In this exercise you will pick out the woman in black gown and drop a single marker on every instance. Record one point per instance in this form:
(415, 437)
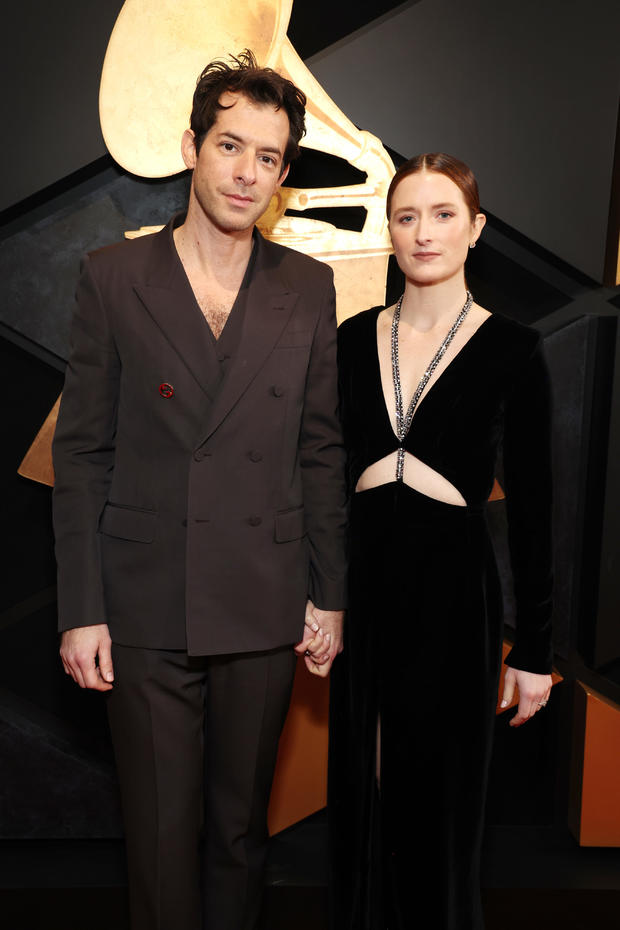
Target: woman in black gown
(414, 692)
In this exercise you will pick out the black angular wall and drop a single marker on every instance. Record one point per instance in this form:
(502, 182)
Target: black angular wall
(57, 776)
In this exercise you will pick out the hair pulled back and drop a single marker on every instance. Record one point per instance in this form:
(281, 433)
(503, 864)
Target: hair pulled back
(440, 163)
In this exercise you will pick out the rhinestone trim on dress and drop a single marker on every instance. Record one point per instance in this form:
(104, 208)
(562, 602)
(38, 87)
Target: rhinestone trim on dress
(403, 423)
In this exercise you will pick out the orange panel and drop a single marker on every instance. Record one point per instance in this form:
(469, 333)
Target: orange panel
(37, 463)
(300, 784)
(497, 493)
(599, 820)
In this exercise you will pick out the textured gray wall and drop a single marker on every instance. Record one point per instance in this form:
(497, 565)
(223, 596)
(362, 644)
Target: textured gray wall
(523, 90)
(39, 264)
(51, 54)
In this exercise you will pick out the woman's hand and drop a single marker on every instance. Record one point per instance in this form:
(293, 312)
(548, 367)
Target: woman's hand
(322, 639)
(534, 691)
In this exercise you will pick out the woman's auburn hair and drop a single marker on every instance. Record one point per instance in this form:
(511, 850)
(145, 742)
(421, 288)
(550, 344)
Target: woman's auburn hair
(441, 163)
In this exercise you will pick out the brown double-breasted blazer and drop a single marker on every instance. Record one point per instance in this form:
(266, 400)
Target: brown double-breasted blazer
(186, 518)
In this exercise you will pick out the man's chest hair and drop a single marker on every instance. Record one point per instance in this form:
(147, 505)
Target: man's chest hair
(215, 311)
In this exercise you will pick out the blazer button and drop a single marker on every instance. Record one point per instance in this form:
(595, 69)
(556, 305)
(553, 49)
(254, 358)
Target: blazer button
(277, 391)
(255, 521)
(255, 455)
(199, 455)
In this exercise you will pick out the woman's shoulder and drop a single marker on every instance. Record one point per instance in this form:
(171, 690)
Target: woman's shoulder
(359, 329)
(360, 322)
(512, 340)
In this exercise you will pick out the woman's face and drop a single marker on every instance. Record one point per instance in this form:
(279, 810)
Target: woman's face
(431, 227)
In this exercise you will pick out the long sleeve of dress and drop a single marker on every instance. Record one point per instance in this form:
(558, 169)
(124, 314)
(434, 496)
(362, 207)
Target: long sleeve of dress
(527, 476)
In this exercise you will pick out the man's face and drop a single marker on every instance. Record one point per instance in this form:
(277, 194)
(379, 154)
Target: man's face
(239, 166)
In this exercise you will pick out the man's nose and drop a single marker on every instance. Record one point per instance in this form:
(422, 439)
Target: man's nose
(245, 168)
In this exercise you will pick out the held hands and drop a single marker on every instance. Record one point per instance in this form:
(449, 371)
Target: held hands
(322, 639)
(534, 691)
(79, 649)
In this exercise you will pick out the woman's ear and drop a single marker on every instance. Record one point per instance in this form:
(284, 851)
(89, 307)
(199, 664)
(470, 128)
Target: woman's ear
(476, 228)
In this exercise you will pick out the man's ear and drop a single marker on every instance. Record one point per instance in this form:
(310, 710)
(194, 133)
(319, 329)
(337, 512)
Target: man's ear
(282, 177)
(188, 149)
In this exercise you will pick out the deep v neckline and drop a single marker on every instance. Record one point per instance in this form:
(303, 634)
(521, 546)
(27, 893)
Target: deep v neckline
(431, 384)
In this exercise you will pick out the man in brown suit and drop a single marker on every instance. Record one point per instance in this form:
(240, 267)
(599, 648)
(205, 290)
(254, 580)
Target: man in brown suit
(199, 505)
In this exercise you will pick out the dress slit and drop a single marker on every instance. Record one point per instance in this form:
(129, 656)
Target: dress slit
(423, 632)
(406, 614)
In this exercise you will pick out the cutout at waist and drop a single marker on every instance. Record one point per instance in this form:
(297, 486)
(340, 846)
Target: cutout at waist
(417, 475)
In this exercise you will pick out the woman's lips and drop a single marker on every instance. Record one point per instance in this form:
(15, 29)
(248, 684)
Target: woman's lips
(425, 256)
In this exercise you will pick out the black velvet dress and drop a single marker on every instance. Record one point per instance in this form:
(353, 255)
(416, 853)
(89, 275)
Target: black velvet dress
(424, 630)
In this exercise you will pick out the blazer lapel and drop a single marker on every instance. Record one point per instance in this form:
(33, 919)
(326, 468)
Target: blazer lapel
(168, 298)
(270, 303)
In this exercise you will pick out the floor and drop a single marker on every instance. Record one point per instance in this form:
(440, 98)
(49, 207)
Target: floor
(533, 879)
(304, 908)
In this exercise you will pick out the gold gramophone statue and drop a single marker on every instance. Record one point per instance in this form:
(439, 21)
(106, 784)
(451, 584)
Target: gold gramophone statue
(156, 50)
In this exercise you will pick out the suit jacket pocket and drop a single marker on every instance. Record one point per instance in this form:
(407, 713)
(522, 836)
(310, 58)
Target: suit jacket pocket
(128, 523)
(290, 525)
(294, 339)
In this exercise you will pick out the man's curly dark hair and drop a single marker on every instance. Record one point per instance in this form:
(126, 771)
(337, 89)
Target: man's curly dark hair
(242, 74)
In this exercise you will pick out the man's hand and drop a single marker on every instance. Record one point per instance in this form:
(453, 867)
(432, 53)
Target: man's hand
(534, 691)
(79, 650)
(322, 639)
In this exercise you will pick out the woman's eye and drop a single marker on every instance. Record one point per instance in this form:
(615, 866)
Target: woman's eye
(445, 215)
(405, 220)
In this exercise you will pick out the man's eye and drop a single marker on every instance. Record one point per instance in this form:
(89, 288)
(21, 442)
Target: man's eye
(228, 146)
(268, 160)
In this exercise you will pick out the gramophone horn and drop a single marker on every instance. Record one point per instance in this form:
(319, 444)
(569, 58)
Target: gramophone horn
(156, 50)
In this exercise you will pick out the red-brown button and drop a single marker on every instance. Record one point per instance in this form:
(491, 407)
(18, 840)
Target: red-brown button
(165, 389)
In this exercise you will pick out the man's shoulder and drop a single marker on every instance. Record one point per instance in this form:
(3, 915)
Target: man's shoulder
(296, 265)
(130, 253)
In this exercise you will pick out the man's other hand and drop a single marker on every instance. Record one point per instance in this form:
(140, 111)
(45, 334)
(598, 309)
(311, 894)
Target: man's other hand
(86, 653)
